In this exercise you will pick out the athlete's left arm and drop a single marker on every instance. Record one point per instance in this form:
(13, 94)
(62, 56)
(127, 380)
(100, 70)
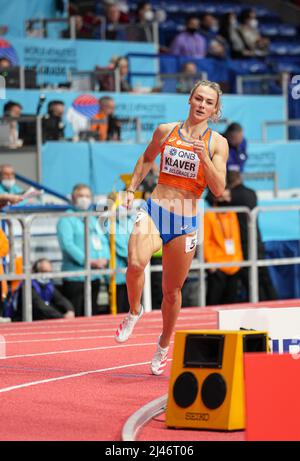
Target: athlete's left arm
(215, 168)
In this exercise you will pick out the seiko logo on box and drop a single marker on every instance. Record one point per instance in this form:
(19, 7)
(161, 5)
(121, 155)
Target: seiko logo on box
(192, 416)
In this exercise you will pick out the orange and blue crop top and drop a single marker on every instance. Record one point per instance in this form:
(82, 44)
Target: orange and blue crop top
(180, 167)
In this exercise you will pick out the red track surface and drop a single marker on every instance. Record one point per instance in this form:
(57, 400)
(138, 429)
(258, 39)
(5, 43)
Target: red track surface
(69, 380)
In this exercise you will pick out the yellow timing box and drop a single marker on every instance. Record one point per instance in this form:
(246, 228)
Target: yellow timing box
(206, 388)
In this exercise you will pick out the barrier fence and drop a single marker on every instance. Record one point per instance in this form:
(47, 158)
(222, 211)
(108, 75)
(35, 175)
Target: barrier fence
(198, 263)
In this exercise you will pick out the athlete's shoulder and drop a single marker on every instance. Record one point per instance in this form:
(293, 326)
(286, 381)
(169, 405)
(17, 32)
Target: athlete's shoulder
(163, 130)
(219, 140)
(218, 137)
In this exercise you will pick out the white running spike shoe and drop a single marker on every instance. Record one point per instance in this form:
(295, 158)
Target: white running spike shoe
(159, 360)
(126, 327)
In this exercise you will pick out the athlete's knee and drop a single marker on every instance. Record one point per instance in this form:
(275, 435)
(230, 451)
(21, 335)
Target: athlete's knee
(135, 267)
(171, 295)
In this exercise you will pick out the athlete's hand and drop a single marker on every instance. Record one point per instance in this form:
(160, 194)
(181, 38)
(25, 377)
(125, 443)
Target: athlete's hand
(128, 199)
(199, 149)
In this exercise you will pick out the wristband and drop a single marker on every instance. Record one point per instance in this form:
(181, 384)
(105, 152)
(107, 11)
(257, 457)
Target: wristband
(129, 190)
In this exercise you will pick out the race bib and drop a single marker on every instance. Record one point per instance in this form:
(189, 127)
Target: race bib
(190, 243)
(180, 162)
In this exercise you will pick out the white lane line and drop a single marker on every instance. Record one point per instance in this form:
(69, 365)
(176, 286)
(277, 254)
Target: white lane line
(73, 323)
(199, 324)
(75, 375)
(75, 338)
(55, 332)
(72, 338)
(40, 354)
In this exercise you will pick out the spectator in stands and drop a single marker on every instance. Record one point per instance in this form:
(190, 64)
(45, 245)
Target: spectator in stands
(4, 250)
(187, 78)
(91, 24)
(237, 147)
(13, 110)
(81, 31)
(70, 232)
(254, 42)
(105, 122)
(4, 63)
(114, 19)
(229, 30)
(141, 30)
(8, 180)
(121, 63)
(244, 196)
(52, 123)
(216, 45)
(190, 42)
(209, 26)
(47, 300)
(107, 81)
(222, 243)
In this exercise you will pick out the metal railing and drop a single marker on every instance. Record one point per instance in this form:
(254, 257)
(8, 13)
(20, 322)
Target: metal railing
(130, 32)
(183, 83)
(253, 263)
(91, 80)
(198, 263)
(135, 121)
(263, 79)
(44, 22)
(27, 276)
(286, 123)
(18, 77)
(269, 175)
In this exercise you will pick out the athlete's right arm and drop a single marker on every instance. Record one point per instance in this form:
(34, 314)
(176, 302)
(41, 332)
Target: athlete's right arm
(146, 160)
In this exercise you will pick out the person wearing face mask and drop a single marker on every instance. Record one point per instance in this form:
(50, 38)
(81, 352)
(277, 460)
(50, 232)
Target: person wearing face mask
(216, 45)
(141, 30)
(249, 32)
(70, 233)
(209, 26)
(229, 30)
(8, 180)
(222, 243)
(190, 42)
(47, 301)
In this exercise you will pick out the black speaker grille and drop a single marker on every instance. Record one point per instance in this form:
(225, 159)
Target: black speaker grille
(185, 389)
(213, 391)
(255, 343)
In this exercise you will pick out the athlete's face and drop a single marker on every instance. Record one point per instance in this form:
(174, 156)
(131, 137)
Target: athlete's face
(203, 103)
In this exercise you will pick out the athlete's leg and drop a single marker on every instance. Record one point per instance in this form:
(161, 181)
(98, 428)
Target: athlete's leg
(143, 242)
(176, 263)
